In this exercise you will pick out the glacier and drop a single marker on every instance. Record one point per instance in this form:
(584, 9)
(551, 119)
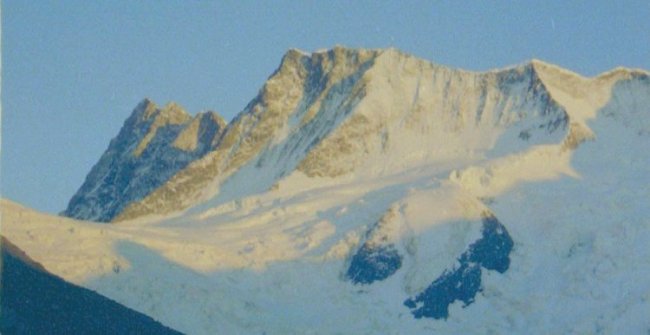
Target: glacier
(372, 192)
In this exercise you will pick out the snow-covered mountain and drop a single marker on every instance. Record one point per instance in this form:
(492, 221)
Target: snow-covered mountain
(336, 113)
(371, 192)
(152, 146)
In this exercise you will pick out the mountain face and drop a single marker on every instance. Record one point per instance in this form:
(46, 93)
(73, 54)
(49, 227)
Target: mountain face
(371, 192)
(330, 114)
(152, 146)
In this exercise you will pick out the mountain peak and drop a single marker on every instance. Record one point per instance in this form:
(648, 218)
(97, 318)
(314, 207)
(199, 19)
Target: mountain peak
(144, 110)
(620, 73)
(294, 57)
(537, 61)
(148, 110)
(295, 52)
(549, 68)
(151, 147)
(173, 113)
(146, 102)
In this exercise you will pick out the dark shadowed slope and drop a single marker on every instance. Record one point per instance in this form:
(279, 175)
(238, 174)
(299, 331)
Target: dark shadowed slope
(37, 302)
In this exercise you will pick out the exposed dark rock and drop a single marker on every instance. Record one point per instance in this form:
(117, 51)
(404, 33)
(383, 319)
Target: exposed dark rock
(491, 251)
(459, 284)
(370, 264)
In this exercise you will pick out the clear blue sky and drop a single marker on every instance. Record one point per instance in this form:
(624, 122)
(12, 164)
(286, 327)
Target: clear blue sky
(72, 71)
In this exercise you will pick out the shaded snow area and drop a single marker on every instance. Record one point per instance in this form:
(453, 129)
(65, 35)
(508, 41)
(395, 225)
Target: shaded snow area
(521, 209)
(36, 302)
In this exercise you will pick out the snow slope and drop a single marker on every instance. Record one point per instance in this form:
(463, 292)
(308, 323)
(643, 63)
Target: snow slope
(533, 219)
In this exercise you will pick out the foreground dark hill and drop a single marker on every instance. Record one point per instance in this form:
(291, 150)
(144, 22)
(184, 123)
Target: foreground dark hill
(37, 302)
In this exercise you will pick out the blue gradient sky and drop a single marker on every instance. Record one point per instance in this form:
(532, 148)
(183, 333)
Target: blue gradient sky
(72, 71)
